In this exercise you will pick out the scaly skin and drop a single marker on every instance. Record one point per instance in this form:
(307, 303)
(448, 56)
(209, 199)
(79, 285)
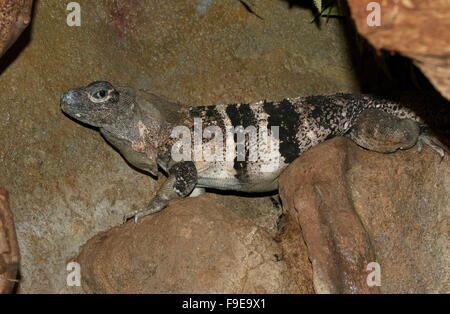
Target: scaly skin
(140, 125)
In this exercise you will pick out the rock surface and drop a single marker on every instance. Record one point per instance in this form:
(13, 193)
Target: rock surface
(415, 28)
(15, 16)
(9, 248)
(356, 207)
(66, 184)
(194, 246)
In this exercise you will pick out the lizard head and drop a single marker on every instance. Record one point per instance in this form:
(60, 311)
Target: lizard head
(129, 120)
(95, 104)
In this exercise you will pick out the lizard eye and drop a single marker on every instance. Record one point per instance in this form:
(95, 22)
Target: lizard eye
(100, 96)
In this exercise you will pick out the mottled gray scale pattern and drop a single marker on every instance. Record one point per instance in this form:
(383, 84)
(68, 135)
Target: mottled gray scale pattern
(139, 125)
(390, 107)
(304, 122)
(235, 175)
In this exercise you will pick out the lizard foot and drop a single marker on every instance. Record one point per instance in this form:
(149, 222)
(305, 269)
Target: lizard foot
(154, 207)
(434, 143)
(140, 213)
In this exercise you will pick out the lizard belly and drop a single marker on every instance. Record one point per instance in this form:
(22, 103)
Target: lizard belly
(224, 176)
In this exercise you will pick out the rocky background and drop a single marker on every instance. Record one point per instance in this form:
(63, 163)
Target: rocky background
(9, 248)
(414, 28)
(15, 16)
(68, 187)
(66, 183)
(356, 207)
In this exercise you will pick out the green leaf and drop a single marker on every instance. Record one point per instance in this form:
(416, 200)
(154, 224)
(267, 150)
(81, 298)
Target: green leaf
(318, 4)
(331, 11)
(327, 8)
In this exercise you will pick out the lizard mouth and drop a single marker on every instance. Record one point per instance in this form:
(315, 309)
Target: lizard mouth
(70, 103)
(71, 97)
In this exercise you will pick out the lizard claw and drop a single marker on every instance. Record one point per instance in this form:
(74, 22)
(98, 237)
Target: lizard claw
(432, 142)
(134, 215)
(140, 213)
(130, 216)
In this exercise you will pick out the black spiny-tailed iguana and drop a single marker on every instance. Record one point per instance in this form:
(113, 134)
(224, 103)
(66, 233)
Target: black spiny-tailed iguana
(142, 127)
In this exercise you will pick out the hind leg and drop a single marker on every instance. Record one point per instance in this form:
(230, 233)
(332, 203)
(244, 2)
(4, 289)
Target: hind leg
(426, 138)
(382, 132)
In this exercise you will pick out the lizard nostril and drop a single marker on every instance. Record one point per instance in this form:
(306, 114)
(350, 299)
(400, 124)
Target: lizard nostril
(70, 97)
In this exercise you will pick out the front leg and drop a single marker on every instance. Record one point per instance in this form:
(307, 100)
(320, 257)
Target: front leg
(182, 180)
(382, 132)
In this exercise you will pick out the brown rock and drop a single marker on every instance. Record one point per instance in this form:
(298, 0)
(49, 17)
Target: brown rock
(356, 207)
(295, 254)
(315, 192)
(415, 28)
(15, 16)
(194, 246)
(9, 248)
